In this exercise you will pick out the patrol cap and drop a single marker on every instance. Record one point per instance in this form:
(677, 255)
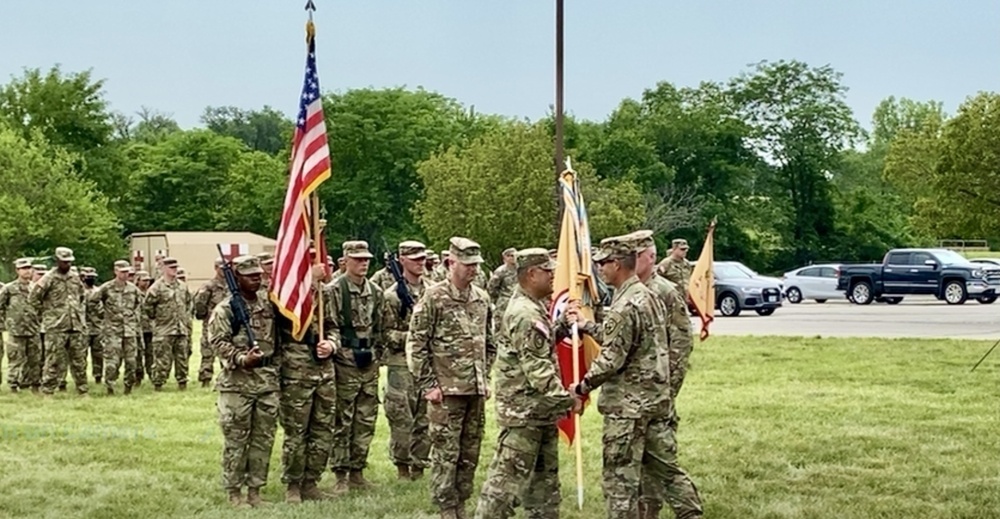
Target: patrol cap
(169, 262)
(74, 270)
(432, 256)
(88, 272)
(642, 240)
(247, 265)
(181, 273)
(412, 250)
(615, 247)
(357, 249)
(509, 251)
(534, 257)
(142, 275)
(266, 258)
(39, 267)
(220, 262)
(553, 252)
(122, 266)
(465, 251)
(22, 263)
(679, 242)
(446, 254)
(64, 254)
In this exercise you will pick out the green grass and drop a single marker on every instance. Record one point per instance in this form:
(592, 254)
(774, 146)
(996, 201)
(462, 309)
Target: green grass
(771, 428)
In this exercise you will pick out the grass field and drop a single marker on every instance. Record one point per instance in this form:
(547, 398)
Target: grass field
(771, 428)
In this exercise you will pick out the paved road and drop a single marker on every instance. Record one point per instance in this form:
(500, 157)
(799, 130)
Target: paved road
(914, 317)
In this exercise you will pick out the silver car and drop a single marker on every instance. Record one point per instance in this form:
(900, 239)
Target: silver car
(815, 282)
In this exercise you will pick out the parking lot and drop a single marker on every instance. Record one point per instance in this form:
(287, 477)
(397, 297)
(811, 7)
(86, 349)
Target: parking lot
(914, 317)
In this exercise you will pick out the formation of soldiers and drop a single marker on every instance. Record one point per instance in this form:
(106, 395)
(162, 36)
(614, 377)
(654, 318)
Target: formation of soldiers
(446, 340)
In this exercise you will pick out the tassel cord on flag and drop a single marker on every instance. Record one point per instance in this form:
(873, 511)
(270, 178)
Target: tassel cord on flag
(578, 448)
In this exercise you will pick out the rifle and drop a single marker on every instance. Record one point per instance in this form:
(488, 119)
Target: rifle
(241, 316)
(392, 263)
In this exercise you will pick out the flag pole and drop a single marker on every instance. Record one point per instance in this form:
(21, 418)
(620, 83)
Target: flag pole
(317, 224)
(576, 421)
(559, 114)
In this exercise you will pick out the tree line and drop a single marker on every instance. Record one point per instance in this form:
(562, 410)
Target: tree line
(774, 153)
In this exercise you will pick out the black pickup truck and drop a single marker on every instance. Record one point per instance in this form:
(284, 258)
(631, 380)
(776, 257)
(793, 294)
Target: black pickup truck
(942, 273)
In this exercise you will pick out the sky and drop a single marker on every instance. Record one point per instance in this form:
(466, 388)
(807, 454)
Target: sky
(179, 56)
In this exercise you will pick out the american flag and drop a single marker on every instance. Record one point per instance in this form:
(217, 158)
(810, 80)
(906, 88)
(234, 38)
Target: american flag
(310, 165)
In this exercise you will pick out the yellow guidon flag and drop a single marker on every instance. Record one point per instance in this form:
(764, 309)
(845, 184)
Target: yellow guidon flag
(701, 286)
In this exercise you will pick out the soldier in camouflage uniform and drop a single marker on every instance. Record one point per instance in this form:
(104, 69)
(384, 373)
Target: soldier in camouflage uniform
(405, 407)
(679, 324)
(182, 277)
(206, 298)
(430, 264)
(37, 271)
(144, 354)
(633, 370)
(307, 407)
(440, 272)
(167, 305)
(450, 351)
(267, 265)
(95, 315)
(503, 283)
(122, 305)
(24, 351)
(675, 266)
(356, 335)
(530, 399)
(60, 298)
(248, 386)
(382, 278)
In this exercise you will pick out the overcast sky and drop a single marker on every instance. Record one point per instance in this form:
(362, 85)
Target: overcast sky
(179, 56)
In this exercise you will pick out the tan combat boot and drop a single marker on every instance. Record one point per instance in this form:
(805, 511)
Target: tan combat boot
(402, 472)
(292, 494)
(310, 492)
(236, 499)
(341, 487)
(254, 499)
(357, 480)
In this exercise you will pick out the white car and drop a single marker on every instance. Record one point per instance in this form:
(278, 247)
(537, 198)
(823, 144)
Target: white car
(816, 282)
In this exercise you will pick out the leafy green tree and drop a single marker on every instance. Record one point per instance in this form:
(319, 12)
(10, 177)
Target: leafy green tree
(266, 130)
(45, 204)
(255, 194)
(377, 138)
(181, 181)
(498, 191)
(70, 110)
(801, 125)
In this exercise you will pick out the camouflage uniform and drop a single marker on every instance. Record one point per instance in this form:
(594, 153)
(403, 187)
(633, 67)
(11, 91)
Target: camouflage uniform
(95, 336)
(60, 300)
(482, 278)
(206, 299)
(122, 304)
(405, 407)
(640, 450)
(501, 287)
(307, 407)
(21, 319)
(676, 270)
(530, 399)
(382, 278)
(678, 273)
(167, 305)
(144, 355)
(450, 347)
(248, 396)
(356, 366)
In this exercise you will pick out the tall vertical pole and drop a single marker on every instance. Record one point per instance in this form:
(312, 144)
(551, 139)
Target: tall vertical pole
(559, 114)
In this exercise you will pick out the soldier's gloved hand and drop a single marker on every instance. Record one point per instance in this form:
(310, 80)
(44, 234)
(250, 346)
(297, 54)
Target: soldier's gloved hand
(434, 396)
(253, 358)
(324, 349)
(578, 406)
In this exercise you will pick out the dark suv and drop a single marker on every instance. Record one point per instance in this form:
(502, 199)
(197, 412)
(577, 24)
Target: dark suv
(737, 290)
